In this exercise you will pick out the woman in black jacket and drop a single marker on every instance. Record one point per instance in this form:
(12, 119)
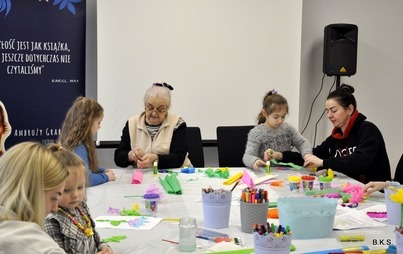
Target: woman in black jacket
(355, 147)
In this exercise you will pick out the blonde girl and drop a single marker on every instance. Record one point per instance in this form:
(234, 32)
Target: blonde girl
(32, 180)
(80, 125)
(72, 226)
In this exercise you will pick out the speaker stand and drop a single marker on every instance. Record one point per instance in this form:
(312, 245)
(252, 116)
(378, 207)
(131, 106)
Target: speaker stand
(337, 82)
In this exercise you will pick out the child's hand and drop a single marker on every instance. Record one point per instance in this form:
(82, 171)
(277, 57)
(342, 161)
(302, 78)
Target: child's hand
(268, 154)
(258, 164)
(105, 250)
(111, 174)
(271, 154)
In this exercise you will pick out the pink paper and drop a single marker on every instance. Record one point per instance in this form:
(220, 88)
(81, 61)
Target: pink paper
(247, 179)
(137, 177)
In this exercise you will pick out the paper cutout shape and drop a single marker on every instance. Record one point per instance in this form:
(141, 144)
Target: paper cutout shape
(137, 177)
(127, 222)
(233, 179)
(285, 164)
(171, 184)
(247, 179)
(154, 189)
(257, 181)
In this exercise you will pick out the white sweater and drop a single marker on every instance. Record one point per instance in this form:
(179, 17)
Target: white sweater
(25, 237)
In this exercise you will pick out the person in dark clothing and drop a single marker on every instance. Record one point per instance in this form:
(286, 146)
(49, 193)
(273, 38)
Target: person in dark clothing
(155, 136)
(356, 146)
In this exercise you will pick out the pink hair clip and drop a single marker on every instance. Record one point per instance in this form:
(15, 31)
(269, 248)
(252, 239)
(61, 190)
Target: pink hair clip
(273, 91)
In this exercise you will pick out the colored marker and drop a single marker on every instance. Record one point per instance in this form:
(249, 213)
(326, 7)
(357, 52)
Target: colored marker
(352, 238)
(206, 238)
(357, 249)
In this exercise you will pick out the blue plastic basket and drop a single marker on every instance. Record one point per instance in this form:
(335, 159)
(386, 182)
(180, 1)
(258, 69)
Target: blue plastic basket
(308, 217)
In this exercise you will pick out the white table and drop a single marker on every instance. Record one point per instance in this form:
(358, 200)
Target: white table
(111, 194)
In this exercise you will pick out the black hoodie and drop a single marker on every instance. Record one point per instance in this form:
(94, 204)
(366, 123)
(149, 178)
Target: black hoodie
(362, 155)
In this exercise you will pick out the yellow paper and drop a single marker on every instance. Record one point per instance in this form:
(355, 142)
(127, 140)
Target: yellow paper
(234, 178)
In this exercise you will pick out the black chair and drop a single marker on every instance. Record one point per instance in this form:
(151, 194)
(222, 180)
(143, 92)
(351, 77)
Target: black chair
(399, 171)
(231, 144)
(195, 146)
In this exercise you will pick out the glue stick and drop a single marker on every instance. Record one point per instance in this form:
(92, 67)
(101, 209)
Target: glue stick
(267, 167)
(155, 168)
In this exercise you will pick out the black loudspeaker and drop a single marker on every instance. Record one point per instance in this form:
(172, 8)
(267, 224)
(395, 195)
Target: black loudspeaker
(340, 50)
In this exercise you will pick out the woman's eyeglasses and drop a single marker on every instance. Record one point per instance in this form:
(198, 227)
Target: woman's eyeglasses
(160, 110)
(164, 85)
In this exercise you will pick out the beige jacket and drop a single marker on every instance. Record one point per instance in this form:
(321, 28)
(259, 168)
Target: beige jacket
(139, 137)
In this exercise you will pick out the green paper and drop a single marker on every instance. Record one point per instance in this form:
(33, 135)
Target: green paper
(171, 184)
(127, 212)
(115, 222)
(272, 204)
(242, 251)
(217, 173)
(115, 239)
(174, 183)
(286, 164)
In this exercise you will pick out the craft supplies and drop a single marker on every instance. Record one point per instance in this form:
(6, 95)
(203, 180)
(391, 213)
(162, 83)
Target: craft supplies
(294, 182)
(151, 202)
(135, 206)
(357, 249)
(267, 167)
(256, 196)
(309, 217)
(233, 179)
(352, 238)
(115, 239)
(271, 239)
(324, 182)
(210, 233)
(155, 168)
(307, 182)
(254, 206)
(217, 173)
(216, 207)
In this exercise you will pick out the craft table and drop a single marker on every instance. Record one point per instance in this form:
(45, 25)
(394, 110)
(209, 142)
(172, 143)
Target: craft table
(112, 195)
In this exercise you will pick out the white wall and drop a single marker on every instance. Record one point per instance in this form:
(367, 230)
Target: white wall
(220, 56)
(379, 78)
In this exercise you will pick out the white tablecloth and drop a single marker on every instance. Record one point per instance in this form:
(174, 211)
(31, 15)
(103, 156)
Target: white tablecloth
(111, 194)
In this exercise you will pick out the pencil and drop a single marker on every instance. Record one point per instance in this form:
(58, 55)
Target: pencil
(233, 187)
(169, 241)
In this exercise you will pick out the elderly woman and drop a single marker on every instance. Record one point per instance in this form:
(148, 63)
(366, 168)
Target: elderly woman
(156, 135)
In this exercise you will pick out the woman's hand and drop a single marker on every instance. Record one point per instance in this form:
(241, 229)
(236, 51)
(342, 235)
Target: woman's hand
(374, 186)
(135, 154)
(312, 161)
(147, 160)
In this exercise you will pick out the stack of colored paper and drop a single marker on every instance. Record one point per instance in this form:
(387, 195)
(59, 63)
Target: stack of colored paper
(171, 184)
